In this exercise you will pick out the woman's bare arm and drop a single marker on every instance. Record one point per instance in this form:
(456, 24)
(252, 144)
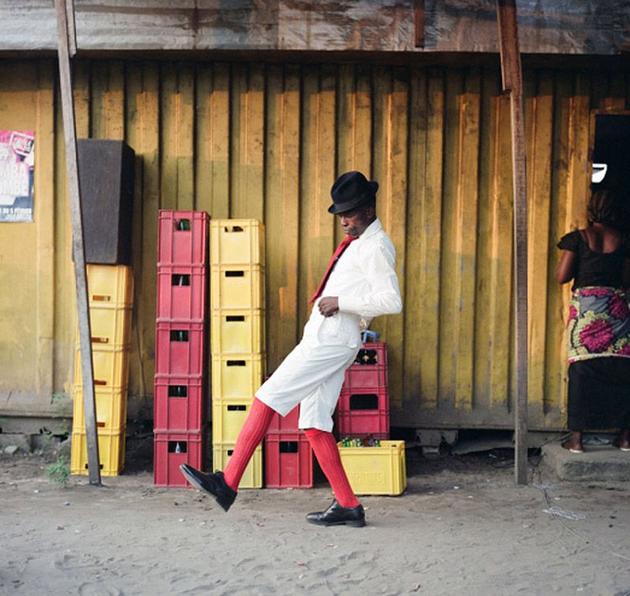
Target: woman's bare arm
(565, 271)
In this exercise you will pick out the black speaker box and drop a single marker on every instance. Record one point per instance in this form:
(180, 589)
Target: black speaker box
(106, 175)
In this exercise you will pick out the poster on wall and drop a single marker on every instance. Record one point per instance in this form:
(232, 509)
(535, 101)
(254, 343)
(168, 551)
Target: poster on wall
(17, 167)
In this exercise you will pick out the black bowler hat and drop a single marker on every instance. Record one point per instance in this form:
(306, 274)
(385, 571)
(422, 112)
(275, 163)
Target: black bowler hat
(351, 190)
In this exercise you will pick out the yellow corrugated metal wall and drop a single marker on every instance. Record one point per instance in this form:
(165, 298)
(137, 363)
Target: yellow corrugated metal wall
(266, 141)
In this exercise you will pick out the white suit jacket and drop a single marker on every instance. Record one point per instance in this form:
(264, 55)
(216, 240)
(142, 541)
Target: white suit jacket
(364, 280)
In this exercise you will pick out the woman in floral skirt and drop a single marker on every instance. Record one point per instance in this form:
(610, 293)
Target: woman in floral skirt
(597, 259)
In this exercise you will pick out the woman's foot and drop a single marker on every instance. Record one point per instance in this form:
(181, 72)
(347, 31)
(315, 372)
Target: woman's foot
(623, 440)
(574, 443)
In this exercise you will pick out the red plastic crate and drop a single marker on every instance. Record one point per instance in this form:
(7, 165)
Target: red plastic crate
(286, 424)
(179, 349)
(170, 450)
(182, 293)
(363, 414)
(288, 461)
(369, 370)
(178, 404)
(182, 237)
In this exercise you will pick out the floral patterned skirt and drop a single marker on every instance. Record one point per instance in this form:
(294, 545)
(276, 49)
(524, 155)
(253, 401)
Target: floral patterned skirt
(599, 324)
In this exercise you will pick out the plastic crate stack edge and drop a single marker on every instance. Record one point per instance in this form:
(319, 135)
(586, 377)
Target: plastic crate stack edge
(237, 304)
(180, 411)
(110, 300)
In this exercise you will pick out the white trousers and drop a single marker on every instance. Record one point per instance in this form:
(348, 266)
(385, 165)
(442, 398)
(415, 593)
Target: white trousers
(311, 375)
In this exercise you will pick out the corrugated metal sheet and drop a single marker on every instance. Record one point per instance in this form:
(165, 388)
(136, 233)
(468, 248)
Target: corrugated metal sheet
(266, 141)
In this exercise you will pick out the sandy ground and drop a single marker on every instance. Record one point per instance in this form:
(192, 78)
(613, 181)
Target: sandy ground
(462, 527)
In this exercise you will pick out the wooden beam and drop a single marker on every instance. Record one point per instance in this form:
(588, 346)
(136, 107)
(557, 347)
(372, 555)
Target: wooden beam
(513, 84)
(78, 247)
(419, 22)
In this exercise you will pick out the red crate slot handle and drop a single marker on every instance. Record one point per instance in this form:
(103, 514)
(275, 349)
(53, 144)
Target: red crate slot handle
(364, 401)
(179, 335)
(178, 391)
(180, 279)
(288, 446)
(177, 447)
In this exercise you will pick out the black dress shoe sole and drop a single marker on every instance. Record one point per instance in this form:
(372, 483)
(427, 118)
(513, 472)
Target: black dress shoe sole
(355, 523)
(225, 501)
(192, 479)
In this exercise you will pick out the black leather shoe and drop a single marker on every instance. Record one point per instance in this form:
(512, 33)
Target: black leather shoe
(212, 483)
(336, 515)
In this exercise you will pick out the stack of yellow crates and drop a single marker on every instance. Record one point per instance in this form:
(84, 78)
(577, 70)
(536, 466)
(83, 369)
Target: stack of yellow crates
(110, 294)
(237, 337)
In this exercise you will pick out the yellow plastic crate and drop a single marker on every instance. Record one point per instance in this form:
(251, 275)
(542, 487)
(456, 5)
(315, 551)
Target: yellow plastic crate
(237, 376)
(237, 241)
(111, 409)
(237, 331)
(111, 367)
(110, 285)
(111, 450)
(376, 470)
(109, 326)
(228, 416)
(253, 476)
(238, 287)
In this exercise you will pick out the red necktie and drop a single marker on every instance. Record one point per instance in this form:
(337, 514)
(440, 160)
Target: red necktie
(331, 265)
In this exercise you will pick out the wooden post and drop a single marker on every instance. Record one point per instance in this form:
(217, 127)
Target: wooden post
(419, 22)
(65, 33)
(513, 84)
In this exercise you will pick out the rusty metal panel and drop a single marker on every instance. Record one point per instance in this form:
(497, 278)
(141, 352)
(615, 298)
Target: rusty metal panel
(587, 27)
(266, 141)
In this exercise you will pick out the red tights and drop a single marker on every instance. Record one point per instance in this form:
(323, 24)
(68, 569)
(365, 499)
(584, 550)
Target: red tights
(322, 442)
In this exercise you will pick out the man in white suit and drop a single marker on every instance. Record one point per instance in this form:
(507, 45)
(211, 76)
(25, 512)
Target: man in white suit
(359, 283)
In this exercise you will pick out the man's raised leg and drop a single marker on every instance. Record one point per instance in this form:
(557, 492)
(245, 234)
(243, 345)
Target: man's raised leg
(224, 485)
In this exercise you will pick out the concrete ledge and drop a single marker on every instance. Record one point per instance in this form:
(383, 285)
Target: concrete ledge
(596, 464)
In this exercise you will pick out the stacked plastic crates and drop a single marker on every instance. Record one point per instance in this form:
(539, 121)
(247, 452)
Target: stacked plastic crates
(179, 417)
(363, 407)
(374, 464)
(110, 296)
(237, 304)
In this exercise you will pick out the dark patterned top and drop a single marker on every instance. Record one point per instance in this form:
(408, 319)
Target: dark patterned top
(595, 268)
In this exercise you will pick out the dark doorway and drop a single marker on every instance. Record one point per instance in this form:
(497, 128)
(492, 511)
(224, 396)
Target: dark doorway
(611, 155)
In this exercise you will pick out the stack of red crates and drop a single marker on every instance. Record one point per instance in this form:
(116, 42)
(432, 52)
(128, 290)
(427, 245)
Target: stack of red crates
(363, 407)
(179, 410)
(288, 454)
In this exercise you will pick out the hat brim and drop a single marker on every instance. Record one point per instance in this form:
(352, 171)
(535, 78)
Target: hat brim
(347, 206)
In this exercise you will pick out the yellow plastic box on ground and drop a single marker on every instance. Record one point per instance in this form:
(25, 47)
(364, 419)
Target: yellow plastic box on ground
(111, 448)
(238, 287)
(236, 376)
(111, 409)
(228, 416)
(376, 470)
(253, 476)
(237, 241)
(111, 367)
(110, 285)
(237, 331)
